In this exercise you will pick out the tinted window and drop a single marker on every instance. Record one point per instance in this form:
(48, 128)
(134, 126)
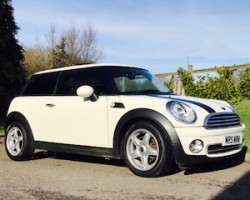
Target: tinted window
(41, 85)
(70, 81)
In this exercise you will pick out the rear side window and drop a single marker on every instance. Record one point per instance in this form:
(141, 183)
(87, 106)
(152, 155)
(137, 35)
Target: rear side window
(41, 85)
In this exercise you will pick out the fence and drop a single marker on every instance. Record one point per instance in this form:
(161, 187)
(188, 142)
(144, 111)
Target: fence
(178, 86)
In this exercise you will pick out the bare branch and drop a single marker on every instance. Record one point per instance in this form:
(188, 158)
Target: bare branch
(52, 36)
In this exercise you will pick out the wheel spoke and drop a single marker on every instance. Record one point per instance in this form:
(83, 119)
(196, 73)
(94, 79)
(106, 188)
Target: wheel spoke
(135, 140)
(18, 147)
(15, 133)
(12, 146)
(146, 138)
(135, 154)
(20, 139)
(151, 151)
(11, 139)
(144, 160)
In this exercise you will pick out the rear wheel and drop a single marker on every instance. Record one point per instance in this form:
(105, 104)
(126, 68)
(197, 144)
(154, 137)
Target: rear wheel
(146, 151)
(18, 142)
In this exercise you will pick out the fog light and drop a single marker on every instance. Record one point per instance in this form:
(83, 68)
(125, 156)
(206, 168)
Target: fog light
(196, 146)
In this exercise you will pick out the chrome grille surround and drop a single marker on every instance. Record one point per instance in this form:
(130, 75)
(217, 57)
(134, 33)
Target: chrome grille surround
(222, 120)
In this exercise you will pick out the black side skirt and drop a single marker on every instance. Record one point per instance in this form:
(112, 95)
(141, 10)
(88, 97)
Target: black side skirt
(77, 149)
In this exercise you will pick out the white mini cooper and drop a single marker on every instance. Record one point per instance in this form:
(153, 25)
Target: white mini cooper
(122, 112)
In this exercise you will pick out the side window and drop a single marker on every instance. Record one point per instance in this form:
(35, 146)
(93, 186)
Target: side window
(41, 85)
(70, 81)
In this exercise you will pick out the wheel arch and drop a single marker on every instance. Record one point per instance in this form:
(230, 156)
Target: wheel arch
(19, 117)
(156, 118)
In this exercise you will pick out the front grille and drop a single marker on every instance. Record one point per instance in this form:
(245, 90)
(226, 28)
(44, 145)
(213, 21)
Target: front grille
(222, 120)
(218, 148)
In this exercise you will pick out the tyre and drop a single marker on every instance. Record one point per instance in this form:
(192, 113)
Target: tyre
(146, 150)
(18, 142)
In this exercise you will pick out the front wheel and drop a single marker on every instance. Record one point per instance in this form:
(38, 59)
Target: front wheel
(146, 150)
(18, 142)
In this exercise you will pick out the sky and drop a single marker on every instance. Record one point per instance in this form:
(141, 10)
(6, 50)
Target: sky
(160, 35)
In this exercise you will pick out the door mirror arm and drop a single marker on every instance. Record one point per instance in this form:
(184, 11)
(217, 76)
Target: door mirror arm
(93, 97)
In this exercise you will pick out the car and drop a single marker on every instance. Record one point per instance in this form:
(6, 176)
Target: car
(120, 112)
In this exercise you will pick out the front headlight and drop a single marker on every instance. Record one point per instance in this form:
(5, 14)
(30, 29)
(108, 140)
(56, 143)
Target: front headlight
(181, 111)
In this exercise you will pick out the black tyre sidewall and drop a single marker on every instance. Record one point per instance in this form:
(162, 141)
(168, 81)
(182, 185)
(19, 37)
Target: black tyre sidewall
(27, 148)
(165, 159)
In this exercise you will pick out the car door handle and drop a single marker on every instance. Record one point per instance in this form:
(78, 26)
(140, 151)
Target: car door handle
(50, 105)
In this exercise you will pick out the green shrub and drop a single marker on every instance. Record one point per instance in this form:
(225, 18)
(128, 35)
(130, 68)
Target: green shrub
(244, 83)
(170, 83)
(222, 87)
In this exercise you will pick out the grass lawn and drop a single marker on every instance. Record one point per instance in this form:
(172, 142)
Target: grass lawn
(1, 129)
(243, 109)
(244, 112)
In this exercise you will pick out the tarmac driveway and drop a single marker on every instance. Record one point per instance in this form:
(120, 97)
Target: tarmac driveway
(79, 177)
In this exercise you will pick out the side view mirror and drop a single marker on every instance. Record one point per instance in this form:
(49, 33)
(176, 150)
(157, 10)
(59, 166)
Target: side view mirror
(87, 92)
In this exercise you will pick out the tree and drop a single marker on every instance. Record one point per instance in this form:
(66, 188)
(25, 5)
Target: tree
(36, 59)
(73, 47)
(12, 74)
(60, 57)
(82, 45)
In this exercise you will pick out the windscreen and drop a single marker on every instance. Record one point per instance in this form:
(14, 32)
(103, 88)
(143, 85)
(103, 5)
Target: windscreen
(135, 81)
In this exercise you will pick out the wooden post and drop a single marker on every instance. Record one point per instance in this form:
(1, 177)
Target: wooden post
(178, 86)
(190, 68)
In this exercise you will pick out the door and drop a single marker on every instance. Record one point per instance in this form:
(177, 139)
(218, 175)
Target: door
(72, 120)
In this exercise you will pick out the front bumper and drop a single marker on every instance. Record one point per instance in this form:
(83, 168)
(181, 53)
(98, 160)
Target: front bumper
(185, 161)
(213, 145)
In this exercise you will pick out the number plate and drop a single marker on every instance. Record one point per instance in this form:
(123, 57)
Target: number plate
(232, 139)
